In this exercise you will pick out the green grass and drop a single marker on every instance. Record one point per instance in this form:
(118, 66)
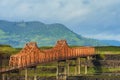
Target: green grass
(8, 50)
(48, 72)
(108, 48)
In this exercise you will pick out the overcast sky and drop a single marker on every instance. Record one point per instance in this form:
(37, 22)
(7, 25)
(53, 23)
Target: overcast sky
(91, 18)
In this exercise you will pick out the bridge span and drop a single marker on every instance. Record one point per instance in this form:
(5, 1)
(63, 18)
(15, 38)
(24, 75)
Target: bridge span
(31, 56)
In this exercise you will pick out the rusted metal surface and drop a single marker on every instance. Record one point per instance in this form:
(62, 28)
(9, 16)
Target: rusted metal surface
(31, 55)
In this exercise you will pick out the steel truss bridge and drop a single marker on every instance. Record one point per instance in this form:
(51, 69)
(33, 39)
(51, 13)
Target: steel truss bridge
(31, 56)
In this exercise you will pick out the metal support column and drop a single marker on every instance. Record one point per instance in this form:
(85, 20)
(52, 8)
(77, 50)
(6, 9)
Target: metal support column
(75, 70)
(57, 71)
(75, 67)
(85, 69)
(68, 67)
(26, 74)
(61, 72)
(86, 60)
(79, 64)
(8, 75)
(35, 74)
(65, 76)
(3, 76)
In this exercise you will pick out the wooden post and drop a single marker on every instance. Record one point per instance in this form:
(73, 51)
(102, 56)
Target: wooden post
(87, 58)
(35, 74)
(78, 62)
(20, 73)
(85, 69)
(75, 67)
(3, 76)
(8, 75)
(68, 67)
(75, 70)
(26, 74)
(61, 75)
(65, 76)
(57, 70)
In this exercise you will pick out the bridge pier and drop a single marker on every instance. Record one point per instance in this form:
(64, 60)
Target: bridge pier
(65, 65)
(78, 66)
(8, 75)
(26, 74)
(68, 67)
(61, 73)
(75, 68)
(57, 71)
(65, 73)
(3, 77)
(35, 74)
(86, 67)
(20, 73)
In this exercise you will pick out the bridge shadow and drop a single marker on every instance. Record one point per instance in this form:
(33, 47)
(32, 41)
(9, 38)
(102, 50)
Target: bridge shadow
(97, 64)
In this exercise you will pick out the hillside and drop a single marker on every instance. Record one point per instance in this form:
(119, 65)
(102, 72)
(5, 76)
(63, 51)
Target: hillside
(17, 34)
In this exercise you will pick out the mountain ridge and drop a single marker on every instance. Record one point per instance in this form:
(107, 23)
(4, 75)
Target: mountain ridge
(18, 33)
(111, 42)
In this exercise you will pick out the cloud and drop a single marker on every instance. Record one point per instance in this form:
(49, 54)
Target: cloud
(62, 10)
(86, 17)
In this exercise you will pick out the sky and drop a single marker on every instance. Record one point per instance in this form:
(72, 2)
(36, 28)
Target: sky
(99, 19)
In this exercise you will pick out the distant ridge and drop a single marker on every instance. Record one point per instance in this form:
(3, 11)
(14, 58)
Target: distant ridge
(111, 42)
(17, 34)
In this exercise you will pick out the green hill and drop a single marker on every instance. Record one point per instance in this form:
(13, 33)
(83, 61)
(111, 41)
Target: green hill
(17, 34)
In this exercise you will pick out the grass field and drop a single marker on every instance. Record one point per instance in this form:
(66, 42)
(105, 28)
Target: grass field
(7, 49)
(108, 50)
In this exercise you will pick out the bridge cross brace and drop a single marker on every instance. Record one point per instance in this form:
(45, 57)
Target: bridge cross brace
(65, 65)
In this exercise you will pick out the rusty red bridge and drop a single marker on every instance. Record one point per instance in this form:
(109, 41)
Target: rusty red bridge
(31, 55)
